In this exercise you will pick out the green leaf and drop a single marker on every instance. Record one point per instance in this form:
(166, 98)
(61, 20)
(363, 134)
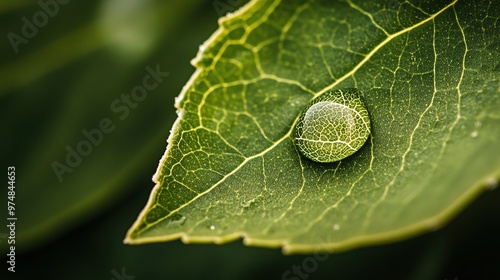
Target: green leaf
(430, 75)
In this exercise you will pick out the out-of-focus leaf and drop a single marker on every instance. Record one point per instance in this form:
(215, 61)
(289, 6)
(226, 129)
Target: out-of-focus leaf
(64, 80)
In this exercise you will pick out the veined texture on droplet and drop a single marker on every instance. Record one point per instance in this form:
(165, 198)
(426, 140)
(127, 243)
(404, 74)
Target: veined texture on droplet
(333, 126)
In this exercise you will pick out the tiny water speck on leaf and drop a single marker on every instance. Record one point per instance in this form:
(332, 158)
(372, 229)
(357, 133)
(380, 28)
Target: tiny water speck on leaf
(333, 126)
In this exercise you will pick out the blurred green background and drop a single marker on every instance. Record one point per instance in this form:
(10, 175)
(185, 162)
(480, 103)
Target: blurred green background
(63, 77)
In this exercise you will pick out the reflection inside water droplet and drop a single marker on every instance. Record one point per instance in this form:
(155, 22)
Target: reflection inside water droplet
(212, 227)
(333, 126)
(336, 227)
(474, 134)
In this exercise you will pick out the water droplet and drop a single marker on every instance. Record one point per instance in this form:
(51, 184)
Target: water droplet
(212, 227)
(333, 126)
(336, 227)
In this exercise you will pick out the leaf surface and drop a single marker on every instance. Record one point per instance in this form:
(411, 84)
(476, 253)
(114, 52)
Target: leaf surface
(430, 77)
